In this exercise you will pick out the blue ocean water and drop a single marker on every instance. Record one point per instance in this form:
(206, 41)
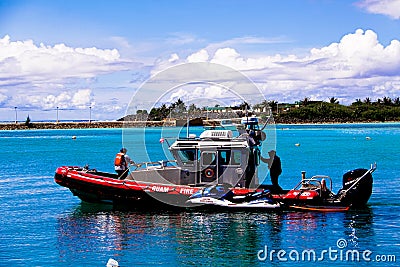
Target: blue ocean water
(43, 224)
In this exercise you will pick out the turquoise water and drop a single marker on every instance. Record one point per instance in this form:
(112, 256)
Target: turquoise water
(44, 225)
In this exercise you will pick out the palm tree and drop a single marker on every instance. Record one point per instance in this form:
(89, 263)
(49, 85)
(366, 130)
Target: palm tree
(273, 104)
(387, 101)
(333, 100)
(367, 100)
(264, 105)
(305, 101)
(244, 106)
(193, 108)
(358, 102)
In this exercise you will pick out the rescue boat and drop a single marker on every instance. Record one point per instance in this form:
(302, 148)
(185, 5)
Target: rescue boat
(211, 171)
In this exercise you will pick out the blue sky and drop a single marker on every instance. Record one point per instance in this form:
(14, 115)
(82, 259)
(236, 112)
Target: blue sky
(76, 54)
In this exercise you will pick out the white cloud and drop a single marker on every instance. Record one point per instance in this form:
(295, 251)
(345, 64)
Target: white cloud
(201, 95)
(389, 8)
(230, 57)
(200, 56)
(23, 60)
(360, 55)
(173, 58)
(62, 100)
(82, 99)
(42, 77)
(227, 56)
(355, 67)
(79, 99)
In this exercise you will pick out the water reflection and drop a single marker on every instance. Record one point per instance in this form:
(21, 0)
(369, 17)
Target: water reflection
(358, 228)
(184, 237)
(214, 238)
(134, 237)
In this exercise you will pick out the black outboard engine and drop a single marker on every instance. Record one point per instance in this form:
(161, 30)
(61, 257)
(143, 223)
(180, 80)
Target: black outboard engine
(357, 188)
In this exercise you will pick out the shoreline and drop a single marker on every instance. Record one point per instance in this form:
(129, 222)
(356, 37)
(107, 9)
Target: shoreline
(140, 124)
(80, 125)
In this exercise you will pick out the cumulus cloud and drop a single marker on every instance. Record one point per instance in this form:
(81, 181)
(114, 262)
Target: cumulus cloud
(42, 77)
(198, 92)
(78, 99)
(202, 94)
(82, 98)
(389, 8)
(200, 56)
(25, 60)
(355, 67)
(357, 54)
(360, 55)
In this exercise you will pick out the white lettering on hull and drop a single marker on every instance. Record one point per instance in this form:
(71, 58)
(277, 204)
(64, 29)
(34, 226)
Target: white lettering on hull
(166, 189)
(162, 189)
(186, 191)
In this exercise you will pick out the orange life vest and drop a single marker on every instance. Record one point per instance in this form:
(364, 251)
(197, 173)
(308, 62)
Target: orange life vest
(119, 159)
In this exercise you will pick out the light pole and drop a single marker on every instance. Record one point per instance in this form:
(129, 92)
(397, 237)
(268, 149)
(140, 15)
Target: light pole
(57, 116)
(16, 117)
(90, 114)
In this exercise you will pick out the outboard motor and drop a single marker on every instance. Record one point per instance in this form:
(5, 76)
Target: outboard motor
(357, 188)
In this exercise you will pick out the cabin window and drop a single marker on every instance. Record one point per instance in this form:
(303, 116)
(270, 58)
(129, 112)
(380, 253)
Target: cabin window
(230, 157)
(208, 158)
(236, 158)
(224, 157)
(187, 156)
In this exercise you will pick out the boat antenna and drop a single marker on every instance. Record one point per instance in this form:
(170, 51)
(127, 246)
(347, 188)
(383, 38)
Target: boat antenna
(267, 120)
(187, 120)
(187, 125)
(247, 113)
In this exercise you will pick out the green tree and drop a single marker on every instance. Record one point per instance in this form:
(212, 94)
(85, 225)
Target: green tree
(396, 101)
(141, 111)
(387, 101)
(28, 122)
(193, 108)
(367, 100)
(158, 114)
(305, 101)
(333, 100)
(244, 106)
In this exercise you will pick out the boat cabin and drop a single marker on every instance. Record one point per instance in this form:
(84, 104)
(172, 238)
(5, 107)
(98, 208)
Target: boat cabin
(215, 157)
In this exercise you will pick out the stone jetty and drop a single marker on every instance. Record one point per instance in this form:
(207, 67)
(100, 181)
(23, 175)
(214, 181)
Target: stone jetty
(84, 125)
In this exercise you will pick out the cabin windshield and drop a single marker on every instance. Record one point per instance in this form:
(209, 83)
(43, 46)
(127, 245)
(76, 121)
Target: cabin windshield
(208, 158)
(187, 156)
(230, 157)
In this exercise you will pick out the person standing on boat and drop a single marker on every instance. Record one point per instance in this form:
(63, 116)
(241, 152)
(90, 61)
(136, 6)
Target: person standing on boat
(121, 163)
(275, 169)
(252, 162)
